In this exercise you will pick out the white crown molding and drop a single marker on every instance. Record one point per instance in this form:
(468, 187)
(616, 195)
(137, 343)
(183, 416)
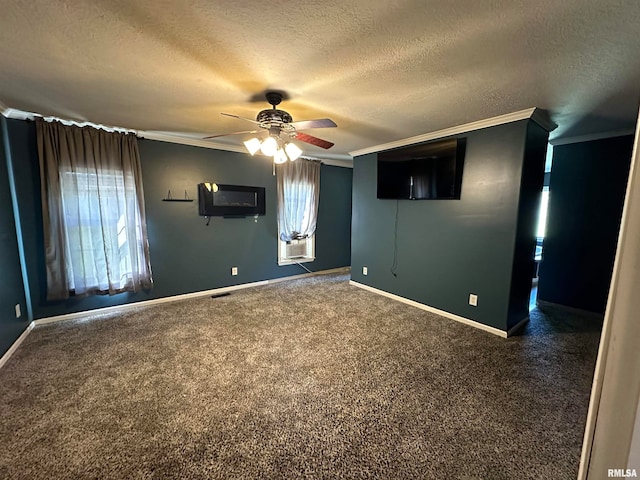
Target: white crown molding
(18, 114)
(333, 157)
(542, 118)
(592, 136)
(194, 142)
(533, 113)
(335, 160)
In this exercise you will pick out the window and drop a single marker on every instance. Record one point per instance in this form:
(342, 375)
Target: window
(95, 223)
(298, 194)
(299, 249)
(93, 211)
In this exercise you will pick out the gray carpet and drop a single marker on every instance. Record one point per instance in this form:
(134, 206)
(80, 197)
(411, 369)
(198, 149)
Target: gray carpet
(310, 378)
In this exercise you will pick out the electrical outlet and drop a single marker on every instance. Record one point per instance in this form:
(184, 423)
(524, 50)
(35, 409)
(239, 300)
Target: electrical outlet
(234, 270)
(18, 312)
(365, 271)
(473, 300)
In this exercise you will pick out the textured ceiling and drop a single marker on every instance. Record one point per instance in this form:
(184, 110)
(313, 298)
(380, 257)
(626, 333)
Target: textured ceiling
(382, 70)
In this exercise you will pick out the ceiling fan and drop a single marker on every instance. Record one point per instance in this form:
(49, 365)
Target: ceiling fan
(281, 128)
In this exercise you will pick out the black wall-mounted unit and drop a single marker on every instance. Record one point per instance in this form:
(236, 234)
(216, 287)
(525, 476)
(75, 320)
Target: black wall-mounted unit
(429, 171)
(230, 200)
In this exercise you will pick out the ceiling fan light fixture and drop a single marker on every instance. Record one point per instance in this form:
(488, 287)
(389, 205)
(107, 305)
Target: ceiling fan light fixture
(269, 147)
(279, 156)
(280, 126)
(253, 145)
(293, 151)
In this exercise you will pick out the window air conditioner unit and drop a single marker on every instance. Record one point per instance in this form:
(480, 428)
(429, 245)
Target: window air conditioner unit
(296, 251)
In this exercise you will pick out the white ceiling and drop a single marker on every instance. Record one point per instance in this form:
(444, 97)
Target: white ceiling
(382, 70)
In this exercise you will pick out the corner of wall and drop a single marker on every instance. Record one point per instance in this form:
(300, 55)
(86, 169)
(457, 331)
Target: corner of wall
(13, 293)
(531, 183)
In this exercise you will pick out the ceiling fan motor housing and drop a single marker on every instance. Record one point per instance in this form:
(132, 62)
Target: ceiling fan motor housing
(273, 116)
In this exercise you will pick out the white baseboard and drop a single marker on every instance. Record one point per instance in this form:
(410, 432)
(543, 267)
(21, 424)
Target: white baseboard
(442, 313)
(7, 355)
(144, 303)
(147, 303)
(312, 274)
(176, 298)
(518, 326)
(577, 311)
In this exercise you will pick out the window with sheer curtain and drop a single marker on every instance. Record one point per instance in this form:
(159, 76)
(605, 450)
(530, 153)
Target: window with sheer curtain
(93, 211)
(298, 189)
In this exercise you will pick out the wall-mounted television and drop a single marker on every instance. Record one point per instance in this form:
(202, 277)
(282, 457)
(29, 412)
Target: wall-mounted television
(429, 171)
(215, 199)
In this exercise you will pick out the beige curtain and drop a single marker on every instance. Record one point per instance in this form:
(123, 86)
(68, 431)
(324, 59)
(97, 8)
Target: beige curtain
(298, 188)
(95, 231)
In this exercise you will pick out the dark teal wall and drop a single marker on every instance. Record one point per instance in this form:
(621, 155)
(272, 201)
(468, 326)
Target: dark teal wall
(531, 183)
(11, 285)
(586, 197)
(447, 249)
(186, 255)
(333, 240)
(21, 136)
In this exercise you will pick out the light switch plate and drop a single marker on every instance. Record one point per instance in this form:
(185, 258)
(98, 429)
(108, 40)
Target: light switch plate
(473, 300)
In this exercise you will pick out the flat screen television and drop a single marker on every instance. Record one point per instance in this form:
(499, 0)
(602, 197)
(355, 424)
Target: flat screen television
(230, 200)
(429, 171)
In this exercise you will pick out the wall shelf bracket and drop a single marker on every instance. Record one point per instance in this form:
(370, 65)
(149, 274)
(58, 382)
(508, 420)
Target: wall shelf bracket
(169, 198)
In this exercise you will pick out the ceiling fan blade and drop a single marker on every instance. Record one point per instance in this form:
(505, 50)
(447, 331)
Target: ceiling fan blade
(233, 133)
(318, 142)
(241, 118)
(319, 123)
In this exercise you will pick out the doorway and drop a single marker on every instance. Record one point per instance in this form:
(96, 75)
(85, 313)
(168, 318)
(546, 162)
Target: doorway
(541, 228)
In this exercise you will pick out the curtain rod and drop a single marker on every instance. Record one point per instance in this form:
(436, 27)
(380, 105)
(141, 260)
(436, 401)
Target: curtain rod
(84, 124)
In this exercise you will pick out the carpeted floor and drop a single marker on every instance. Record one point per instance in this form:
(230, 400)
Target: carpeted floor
(310, 378)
